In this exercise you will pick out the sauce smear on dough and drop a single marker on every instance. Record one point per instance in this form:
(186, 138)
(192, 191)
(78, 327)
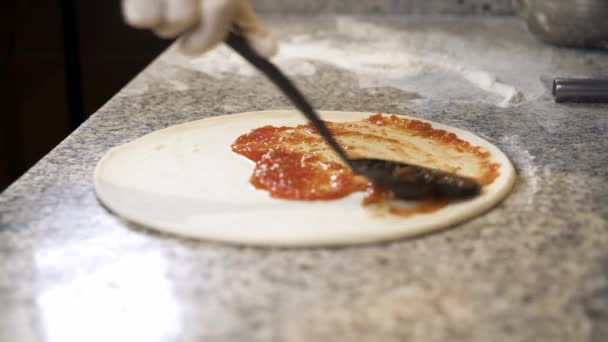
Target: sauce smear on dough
(302, 176)
(295, 163)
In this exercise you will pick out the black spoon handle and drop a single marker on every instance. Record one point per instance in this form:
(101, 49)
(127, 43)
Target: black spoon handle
(239, 44)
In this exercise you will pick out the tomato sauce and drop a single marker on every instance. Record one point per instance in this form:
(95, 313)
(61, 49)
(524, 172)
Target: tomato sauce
(301, 176)
(426, 130)
(289, 165)
(422, 208)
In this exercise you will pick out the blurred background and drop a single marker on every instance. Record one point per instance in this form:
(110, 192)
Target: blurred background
(60, 60)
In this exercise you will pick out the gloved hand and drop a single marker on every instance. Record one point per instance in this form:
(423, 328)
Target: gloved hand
(200, 24)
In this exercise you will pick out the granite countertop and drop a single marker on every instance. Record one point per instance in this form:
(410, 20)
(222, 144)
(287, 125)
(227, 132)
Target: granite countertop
(533, 269)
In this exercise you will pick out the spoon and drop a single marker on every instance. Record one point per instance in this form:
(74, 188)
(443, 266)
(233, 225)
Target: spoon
(404, 180)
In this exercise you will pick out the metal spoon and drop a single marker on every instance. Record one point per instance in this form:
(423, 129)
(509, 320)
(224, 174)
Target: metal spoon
(404, 180)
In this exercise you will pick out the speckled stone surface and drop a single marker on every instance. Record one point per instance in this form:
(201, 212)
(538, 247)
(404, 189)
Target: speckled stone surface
(535, 268)
(492, 7)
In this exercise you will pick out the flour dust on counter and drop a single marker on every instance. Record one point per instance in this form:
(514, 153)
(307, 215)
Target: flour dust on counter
(267, 178)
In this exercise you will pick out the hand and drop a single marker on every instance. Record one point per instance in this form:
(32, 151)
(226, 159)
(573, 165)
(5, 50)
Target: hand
(200, 24)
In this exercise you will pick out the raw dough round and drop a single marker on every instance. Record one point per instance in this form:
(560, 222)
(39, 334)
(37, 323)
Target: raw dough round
(186, 180)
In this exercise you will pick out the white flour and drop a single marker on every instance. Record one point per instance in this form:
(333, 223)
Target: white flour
(378, 57)
(526, 167)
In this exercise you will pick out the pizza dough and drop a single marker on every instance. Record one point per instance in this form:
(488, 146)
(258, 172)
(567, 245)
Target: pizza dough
(186, 180)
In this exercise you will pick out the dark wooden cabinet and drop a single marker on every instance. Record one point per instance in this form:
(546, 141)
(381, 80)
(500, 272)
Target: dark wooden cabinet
(60, 60)
(34, 114)
(111, 53)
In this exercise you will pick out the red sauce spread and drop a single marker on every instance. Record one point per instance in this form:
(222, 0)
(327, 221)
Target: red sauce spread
(422, 208)
(300, 176)
(288, 173)
(291, 164)
(426, 130)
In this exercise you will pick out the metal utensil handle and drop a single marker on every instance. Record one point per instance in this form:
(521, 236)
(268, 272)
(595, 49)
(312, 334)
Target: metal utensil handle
(239, 44)
(580, 90)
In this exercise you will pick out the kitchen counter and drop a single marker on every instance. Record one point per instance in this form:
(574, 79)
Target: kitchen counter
(535, 268)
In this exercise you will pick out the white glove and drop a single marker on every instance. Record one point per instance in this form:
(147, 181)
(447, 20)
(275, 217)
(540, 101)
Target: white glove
(200, 24)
